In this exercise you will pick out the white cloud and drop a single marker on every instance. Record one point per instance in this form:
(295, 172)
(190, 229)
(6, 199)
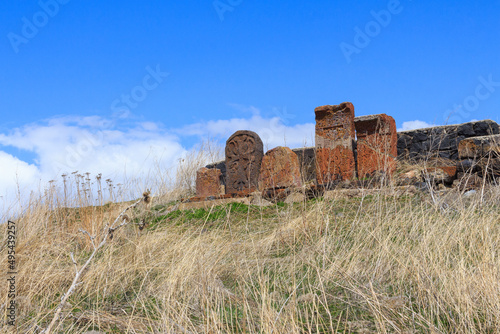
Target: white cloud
(412, 125)
(102, 146)
(87, 144)
(16, 172)
(16, 179)
(273, 131)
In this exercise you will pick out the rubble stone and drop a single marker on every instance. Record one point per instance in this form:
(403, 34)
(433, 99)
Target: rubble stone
(479, 147)
(208, 182)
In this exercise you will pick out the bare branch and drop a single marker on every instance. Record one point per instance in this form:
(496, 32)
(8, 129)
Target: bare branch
(74, 262)
(90, 237)
(107, 232)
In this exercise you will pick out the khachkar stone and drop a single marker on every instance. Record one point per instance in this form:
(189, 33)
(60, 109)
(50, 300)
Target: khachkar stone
(244, 151)
(208, 182)
(280, 169)
(376, 145)
(335, 135)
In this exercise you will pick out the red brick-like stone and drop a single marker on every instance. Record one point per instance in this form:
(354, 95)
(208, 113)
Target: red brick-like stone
(441, 174)
(208, 182)
(376, 145)
(244, 152)
(335, 135)
(280, 169)
(479, 147)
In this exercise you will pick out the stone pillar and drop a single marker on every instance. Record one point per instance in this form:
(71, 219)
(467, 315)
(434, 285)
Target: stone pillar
(244, 151)
(376, 145)
(208, 182)
(335, 136)
(280, 169)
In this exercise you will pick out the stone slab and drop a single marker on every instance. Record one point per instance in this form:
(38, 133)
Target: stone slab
(335, 135)
(208, 182)
(479, 147)
(221, 165)
(244, 152)
(280, 169)
(376, 145)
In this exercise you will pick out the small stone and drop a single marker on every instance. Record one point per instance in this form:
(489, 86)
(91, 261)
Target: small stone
(469, 181)
(413, 174)
(208, 182)
(257, 200)
(441, 174)
(295, 197)
(470, 193)
(422, 186)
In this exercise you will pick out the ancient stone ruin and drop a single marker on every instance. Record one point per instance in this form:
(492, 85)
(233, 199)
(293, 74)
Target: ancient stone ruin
(480, 155)
(244, 152)
(280, 170)
(208, 182)
(349, 149)
(376, 145)
(335, 136)
(440, 141)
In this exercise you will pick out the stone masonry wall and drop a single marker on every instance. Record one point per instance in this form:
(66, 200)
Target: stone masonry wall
(440, 141)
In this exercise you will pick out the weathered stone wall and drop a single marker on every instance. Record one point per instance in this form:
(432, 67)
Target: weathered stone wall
(480, 155)
(307, 163)
(220, 165)
(440, 141)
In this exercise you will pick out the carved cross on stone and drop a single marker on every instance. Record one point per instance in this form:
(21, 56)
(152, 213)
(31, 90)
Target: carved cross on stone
(244, 151)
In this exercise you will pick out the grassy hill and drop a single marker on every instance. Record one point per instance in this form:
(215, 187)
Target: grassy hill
(373, 264)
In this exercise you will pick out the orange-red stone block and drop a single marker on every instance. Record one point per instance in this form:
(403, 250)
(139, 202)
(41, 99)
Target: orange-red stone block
(208, 182)
(280, 169)
(335, 135)
(479, 147)
(376, 145)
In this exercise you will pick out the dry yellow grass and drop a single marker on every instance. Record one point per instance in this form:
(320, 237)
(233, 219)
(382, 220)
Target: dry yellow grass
(377, 264)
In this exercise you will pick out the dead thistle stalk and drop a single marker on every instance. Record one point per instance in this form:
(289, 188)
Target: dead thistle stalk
(107, 232)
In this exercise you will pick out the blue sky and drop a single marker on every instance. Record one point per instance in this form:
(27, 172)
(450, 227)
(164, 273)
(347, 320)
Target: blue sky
(163, 75)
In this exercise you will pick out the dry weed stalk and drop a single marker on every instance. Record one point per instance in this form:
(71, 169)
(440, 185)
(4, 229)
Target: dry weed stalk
(106, 233)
